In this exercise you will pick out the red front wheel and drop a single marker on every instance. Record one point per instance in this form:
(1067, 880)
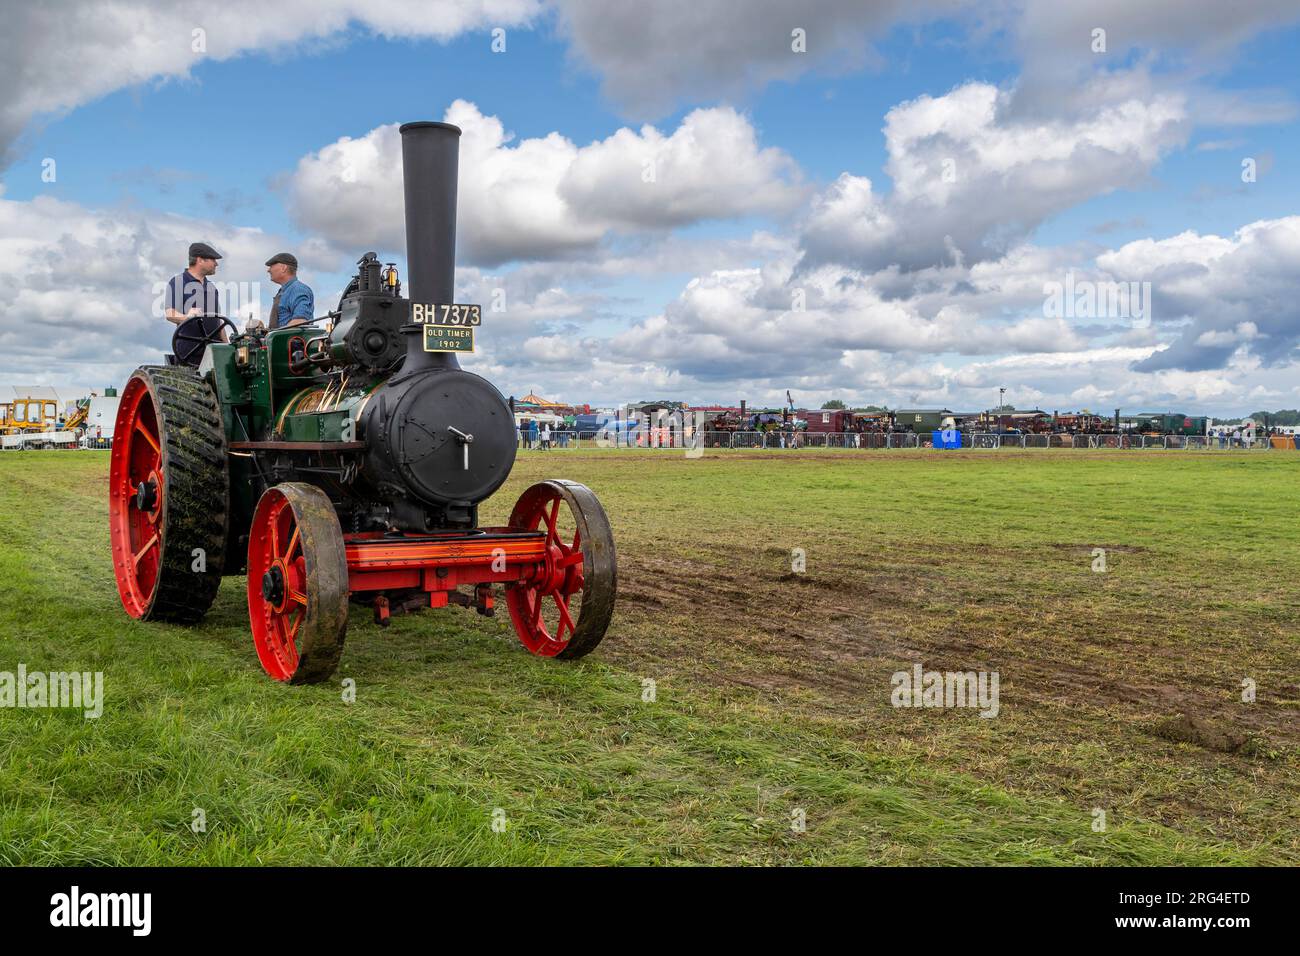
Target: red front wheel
(297, 584)
(565, 608)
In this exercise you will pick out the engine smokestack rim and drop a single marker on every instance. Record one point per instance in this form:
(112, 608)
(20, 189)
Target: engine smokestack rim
(429, 124)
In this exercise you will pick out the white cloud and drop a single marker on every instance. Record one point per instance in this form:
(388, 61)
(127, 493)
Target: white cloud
(545, 197)
(650, 55)
(1058, 37)
(748, 322)
(711, 167)
(60, 54)
(80, 288)
(971, 179)
(1220, 293)
(1244, 332)
(949, 335)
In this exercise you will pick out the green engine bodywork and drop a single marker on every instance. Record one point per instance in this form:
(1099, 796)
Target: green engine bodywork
(1170, 424)
(263, 400)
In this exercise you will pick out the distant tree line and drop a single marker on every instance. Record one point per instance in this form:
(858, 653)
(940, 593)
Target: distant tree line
(1283, 416)
(838, 405)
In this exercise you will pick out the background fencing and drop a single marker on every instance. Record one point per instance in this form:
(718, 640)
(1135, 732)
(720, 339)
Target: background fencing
(980, 441)
(671, 440)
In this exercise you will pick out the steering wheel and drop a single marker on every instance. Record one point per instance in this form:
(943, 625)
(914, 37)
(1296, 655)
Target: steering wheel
(193, 336)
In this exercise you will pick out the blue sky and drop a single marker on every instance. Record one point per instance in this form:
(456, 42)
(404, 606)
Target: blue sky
(921, 310)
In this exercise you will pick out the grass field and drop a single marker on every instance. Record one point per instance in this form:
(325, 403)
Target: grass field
(1120, 691)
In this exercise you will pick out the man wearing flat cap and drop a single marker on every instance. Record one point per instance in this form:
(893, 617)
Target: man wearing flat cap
(190, 293)
(294, 304)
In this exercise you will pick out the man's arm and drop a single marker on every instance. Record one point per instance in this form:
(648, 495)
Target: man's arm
(215, 304)
(302, 305)
(175, 299)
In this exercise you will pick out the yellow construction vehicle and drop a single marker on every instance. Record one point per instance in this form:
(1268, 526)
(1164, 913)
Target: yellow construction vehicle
(78, 417)
(24, 415)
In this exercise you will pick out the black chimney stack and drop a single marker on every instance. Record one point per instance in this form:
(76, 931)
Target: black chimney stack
(430, 154)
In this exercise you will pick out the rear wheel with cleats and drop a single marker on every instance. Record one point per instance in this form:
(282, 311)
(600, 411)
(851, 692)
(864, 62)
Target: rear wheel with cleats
(168, 498)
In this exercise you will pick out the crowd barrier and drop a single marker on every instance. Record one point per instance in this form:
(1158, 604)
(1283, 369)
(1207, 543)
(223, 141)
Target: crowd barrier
(33, 441)
(672, 440)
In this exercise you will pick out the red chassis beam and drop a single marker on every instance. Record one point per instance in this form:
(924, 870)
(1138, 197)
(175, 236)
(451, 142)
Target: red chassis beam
(439, 563)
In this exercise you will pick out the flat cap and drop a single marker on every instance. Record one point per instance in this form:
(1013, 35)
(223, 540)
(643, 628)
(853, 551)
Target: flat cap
(286, 257)
(203, 250)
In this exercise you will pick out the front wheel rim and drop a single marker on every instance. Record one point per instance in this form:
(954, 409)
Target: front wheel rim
(276, 616)
(574, 585)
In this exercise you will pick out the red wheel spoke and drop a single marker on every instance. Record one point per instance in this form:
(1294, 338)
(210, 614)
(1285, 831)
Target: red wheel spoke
(276, 628)
(140, 427)
(294, 542)
(145, 550)
(297, 597)
(577, 539)
(537, 608)
(565, 621)
(274, 524)
(284, 646)
(570, 559)
(552, 533)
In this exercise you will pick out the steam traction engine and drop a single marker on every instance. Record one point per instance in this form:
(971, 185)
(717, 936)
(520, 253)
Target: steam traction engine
(348, 464)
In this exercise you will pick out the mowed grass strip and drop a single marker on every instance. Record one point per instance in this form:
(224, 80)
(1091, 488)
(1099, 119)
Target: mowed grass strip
(453, 721)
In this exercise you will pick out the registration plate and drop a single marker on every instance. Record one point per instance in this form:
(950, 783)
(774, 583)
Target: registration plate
(448, 327)
(455, 316)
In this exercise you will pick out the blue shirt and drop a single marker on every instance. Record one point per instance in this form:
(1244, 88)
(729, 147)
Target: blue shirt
(185, 292)
(296, 302)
